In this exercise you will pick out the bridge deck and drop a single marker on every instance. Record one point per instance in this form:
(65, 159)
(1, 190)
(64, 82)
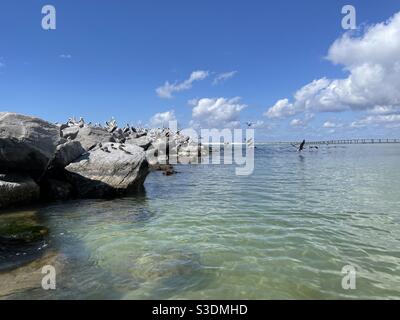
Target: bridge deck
(344, 141)
(355, 141)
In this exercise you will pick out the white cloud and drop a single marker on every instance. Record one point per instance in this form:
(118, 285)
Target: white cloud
(297, 123)
(216, 112)
(385, 110)
(373, 63)
(168, 89)
(259, 124)
(162, 119)
(283, 108)
(65, 56)
(331, 125)
(389, 121)
(222, 77)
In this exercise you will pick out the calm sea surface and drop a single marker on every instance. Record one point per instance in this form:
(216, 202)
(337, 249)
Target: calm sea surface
(284, 232)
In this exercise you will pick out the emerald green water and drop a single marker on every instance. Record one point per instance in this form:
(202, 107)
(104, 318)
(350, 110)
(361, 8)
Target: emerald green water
(284, 232)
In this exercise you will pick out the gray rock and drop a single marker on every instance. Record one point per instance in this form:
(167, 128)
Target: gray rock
(152, 156)
(53, 189)
(143, 142)
(67, 153)
(91, 136)
(108, 171)
(27, 144)
(17, 189)
(70, 132)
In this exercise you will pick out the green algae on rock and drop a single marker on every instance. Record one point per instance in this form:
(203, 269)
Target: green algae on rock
(21, 228)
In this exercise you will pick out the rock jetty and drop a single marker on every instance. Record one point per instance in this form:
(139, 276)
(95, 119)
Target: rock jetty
(44, 161)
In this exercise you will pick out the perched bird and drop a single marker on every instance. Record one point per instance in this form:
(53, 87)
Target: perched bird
(81, 122)
(126, 129)
(92, 147)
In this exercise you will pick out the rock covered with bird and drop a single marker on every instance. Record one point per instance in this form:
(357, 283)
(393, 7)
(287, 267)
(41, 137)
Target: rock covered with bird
(78, 159)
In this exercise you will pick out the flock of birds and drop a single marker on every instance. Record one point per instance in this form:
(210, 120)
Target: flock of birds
(127, 132)
(112, 126)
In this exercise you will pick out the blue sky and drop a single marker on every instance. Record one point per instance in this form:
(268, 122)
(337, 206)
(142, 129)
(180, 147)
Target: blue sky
(107, 58)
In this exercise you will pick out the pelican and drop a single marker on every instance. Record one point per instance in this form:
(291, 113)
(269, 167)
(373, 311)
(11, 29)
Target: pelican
(81, 122)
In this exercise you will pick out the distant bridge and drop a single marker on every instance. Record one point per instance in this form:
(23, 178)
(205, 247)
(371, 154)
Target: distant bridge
(353, 141)
(342, 141)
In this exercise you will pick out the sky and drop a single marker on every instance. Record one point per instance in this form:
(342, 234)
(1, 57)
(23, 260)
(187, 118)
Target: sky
(288, 67)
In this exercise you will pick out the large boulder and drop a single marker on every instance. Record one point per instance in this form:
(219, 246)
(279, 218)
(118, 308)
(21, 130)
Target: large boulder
(163, 144)
(27, 144)
(70, 132)
(66, 153)
(89, 136)
(143, 142)
(54, 189)
(108, 170)
(17, 189)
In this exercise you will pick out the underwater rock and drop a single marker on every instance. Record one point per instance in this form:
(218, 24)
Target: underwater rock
(150, 265)
(171, 263)
(29, 276)
(21, 232)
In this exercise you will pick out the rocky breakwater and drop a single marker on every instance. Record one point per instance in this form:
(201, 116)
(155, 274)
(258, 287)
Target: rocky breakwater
(44, 161)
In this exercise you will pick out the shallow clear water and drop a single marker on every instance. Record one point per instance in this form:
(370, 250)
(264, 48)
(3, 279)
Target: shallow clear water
(284, 232)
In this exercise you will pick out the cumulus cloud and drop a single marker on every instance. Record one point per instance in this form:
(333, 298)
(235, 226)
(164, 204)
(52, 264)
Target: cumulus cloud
(222, 77)
(283, 108)
(65, 56)
(389, 121)
(372, 61)
(168, 89)
(162, 119)
(331, 125)
(385, 110)
(259, 124)
(297, 123)
(216, 112)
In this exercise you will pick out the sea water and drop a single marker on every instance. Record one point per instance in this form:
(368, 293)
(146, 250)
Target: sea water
(284, 232)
